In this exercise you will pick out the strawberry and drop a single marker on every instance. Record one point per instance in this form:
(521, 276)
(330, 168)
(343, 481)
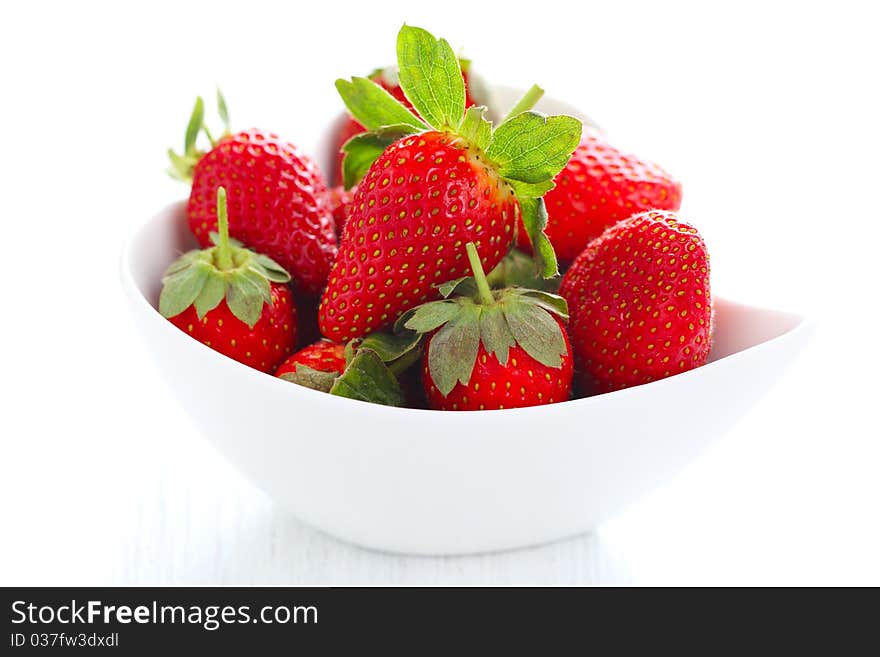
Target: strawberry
(597, 188)
(316, 366)
(493, 350)
(390, 262)
(340, 202)
(278, 201)
(640, 302)
(323, 356)
(366, 370)
(522, 381)
(231, 299)
(388, 80)
(425, 188)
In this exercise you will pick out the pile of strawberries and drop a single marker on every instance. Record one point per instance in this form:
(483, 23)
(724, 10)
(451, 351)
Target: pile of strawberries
(431, 276)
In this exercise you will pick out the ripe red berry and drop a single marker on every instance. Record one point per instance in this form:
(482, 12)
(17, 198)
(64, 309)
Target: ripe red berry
(427, 184)
(420, 202)
(521, 381)
(597, 188)
(278, 201)
(321, 356)
(261, 346)
(639, 303)
(490, 350)
(232, 299)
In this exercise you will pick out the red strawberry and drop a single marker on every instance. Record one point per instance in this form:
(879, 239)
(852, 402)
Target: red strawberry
(367, 370)
(322, 356)
(261, 346)
(421, 201)
(233, 300)
(522, 381)
(424, 195)
(340, 202)
(492, 350)
(640, 302)
(277, 198)
(387, 79)
(597, 188)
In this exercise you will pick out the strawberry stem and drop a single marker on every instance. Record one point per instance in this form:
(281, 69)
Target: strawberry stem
(209, 135)
(224, 251)
(479, 275)
(223, 111)
(527, 102)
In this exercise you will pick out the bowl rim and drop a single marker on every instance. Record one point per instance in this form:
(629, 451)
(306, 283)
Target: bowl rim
(137, 297)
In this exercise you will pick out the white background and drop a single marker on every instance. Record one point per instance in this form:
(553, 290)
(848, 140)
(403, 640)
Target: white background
(768, 113)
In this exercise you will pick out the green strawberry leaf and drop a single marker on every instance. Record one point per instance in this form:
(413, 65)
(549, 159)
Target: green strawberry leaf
(181, 166)
(368, 379)
(350, 350)
(552, 303)
(399, 351)
(374, 107)
(363, 149)
(196, 121)
(430, 77)
(269, 268)
(495, 334)
(476, 128)
(536, 331)
(429, 316)
(211, 295)
(391, 347)
(188, 259)
(360, 153)
(180, 289)
(314, 379)
(534, 218)
(464, 286)
(245, 299)
(531, 190)
(453, 349)
(517, 269)
(532, 148)
(223, 110)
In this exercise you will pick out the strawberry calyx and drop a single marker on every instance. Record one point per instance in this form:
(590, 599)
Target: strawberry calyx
(527, 149)
(499, 319)
(309, 377)
(372, 367)
(316, 366)
(205, 277)
(517, 269)
(183, 164)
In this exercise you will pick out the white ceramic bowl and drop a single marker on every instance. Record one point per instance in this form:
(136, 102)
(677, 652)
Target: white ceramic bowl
(430, 482)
